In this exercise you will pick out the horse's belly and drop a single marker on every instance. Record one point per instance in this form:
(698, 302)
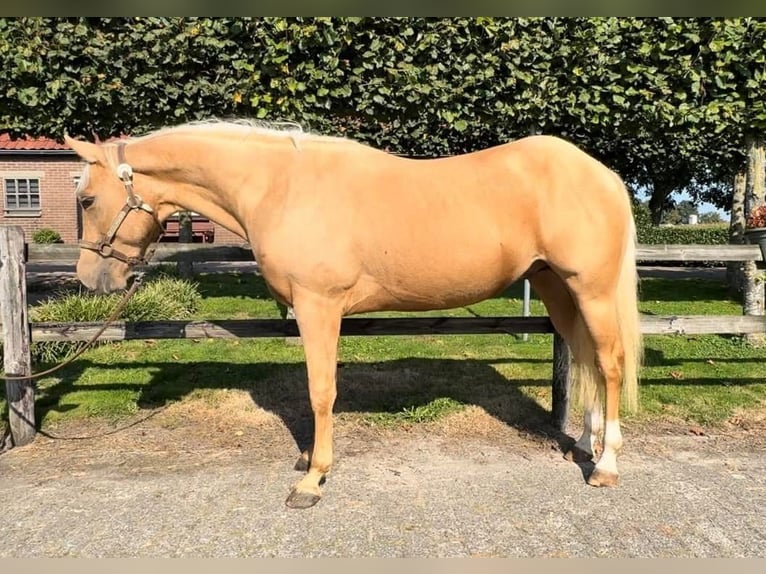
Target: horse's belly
(424, 286)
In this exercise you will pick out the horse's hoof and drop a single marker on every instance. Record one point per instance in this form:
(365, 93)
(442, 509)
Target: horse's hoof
(302, 464)
(602, 478)
(576, 454)
(302, 499)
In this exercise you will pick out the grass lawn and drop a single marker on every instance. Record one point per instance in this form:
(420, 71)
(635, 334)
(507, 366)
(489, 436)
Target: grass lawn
(703, 380)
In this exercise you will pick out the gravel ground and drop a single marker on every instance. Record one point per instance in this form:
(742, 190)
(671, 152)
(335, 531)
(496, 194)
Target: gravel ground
(193, 490)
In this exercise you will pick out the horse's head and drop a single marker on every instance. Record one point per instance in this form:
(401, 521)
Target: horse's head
(118, 222)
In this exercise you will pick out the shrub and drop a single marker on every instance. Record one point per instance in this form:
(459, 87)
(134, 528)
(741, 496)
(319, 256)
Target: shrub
(707, 234)
(160, 298)
(46, 235)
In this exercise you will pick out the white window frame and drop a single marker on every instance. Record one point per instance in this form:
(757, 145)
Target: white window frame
(17, 176)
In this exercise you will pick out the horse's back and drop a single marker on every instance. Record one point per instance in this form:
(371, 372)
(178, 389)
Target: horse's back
(500, 208)
(422, 234)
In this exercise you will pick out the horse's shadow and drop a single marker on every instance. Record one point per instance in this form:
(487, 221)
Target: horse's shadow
(370, 388)
(390, 387)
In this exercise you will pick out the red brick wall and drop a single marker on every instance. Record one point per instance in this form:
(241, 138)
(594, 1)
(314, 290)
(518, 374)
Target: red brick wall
(226, 237)
(58, 208)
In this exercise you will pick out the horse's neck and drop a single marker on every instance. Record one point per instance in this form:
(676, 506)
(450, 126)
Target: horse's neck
(209, 175)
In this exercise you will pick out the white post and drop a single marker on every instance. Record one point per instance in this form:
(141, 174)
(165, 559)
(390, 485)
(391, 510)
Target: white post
(525, 307)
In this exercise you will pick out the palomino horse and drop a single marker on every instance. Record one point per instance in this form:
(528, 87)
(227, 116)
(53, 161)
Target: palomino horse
(339, 228)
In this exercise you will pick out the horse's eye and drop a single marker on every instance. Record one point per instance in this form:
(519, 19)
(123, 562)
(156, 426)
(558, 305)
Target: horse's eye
(86, 202)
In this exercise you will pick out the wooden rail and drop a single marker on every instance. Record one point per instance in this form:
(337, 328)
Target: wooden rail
(361, 326)
(698, 253)
(63, 253)
(252, 328)
(13, 308)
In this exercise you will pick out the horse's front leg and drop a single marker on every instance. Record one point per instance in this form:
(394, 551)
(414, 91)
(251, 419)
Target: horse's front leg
(319, 324)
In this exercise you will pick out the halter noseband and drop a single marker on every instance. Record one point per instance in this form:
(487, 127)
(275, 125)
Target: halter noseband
(133, 202)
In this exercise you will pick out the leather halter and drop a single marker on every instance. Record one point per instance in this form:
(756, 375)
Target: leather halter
(133, 202)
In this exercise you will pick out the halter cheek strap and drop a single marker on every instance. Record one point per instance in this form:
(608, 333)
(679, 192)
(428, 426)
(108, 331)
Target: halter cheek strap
(133, 202)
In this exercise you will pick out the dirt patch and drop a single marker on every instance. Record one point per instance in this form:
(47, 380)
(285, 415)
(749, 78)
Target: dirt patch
(203, 431)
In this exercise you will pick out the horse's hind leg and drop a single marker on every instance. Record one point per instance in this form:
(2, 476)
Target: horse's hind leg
(304, 461)
(319, 324)
(585, 447)
(557, 300)
(565, 318)
(600, 319)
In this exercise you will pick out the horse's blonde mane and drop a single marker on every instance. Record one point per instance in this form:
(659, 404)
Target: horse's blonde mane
(243, 127)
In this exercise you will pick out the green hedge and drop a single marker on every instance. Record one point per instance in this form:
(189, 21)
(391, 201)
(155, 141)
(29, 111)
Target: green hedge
(713, 234)
(704, 234)
(642, 94)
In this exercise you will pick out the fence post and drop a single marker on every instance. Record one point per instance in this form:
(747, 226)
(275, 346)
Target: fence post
(525, 307)
(185, 235)
(288, 313)
(16, 337)
(560, 382)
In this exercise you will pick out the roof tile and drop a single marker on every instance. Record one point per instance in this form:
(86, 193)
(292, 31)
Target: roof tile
(28, 143)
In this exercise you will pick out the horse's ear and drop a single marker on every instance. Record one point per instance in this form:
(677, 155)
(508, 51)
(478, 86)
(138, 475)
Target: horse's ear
(90, 152)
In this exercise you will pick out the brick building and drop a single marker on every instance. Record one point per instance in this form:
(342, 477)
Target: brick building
(39, 177)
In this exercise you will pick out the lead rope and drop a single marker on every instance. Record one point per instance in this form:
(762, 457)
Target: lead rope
(6, 441)
(116, 313)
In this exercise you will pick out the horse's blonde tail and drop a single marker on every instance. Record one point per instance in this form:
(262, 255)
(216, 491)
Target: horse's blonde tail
(587, 382)
(630, 321)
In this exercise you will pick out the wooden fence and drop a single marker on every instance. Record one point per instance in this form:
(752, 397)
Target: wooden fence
(14, 254)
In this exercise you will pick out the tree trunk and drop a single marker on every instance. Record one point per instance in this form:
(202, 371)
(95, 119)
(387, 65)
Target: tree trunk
(754, 293)
(660, 193)
(734, 270)
(756, 172)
